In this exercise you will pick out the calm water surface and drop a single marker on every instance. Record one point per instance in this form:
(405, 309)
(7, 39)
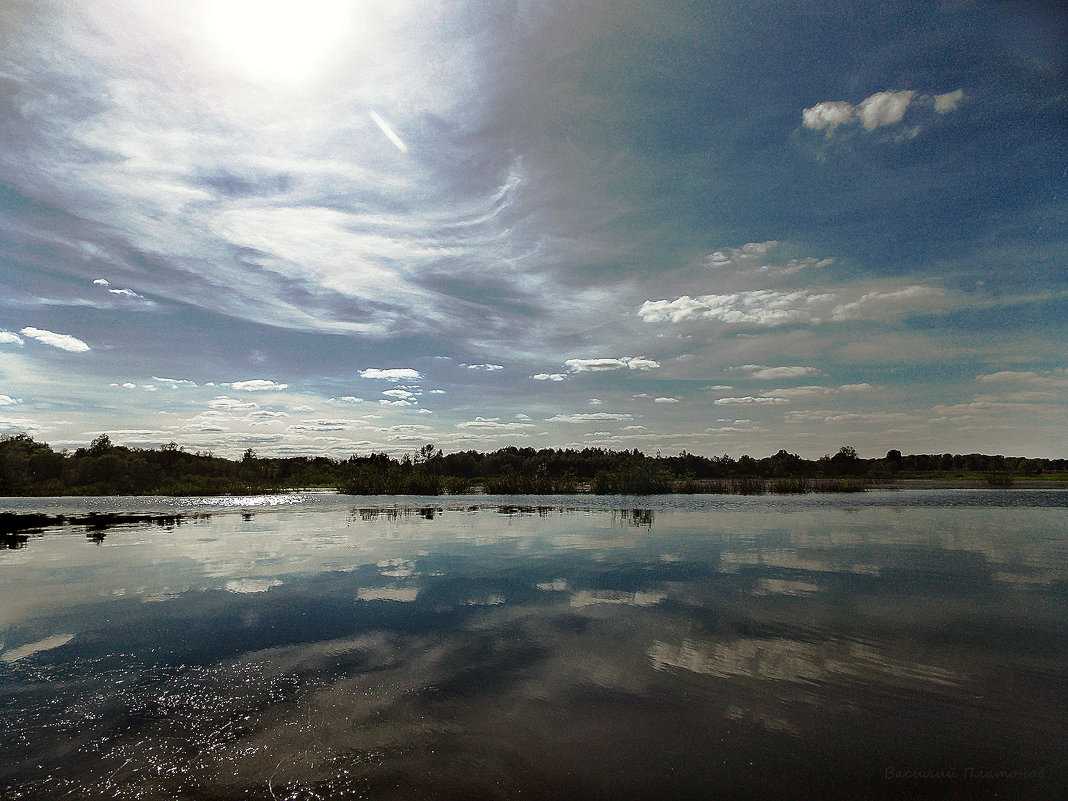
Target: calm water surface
(885, 645)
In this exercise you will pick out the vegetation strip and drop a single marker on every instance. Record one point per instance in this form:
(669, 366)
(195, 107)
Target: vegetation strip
(30, 468)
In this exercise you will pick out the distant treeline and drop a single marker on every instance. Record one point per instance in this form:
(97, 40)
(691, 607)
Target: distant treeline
(28, 467)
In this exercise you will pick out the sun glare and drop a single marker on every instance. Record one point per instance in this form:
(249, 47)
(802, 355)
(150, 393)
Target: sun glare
(285, 41)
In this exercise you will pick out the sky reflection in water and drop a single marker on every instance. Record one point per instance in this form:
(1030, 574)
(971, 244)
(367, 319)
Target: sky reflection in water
(313, 646)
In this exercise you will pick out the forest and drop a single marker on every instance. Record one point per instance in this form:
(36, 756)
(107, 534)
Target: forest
(31, 468)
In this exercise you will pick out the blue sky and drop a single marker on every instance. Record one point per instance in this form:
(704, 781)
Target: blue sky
(327, 227)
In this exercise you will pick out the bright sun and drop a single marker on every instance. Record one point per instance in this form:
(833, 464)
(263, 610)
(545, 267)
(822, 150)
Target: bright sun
(285, 41)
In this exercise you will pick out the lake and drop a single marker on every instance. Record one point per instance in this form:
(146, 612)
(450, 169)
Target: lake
(906, 644)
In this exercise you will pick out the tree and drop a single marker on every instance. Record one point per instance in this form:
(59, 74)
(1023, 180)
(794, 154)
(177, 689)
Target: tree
(100, 445)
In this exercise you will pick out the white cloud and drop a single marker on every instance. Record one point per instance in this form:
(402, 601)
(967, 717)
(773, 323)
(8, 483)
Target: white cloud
(771, 307)
(883, 108)
(7, 400)
(758, 306)
(750, 250)
(864, 386)
(265, 415)
(175, 382)
(396, 403)
(61, 341)
(943, 104)
(391, 374)
(8, 338)
(102, 282)
(777, 373)
(346, 399)
(127, 293)
(827, 115)
(257, 385)
(798, 392)
(586, 418)
(549, 377)
(666, 400)
(852, 310)
(748, 399)
(1051, 378)
(399, 393)
(878, 110)
(489, 368)
(129, 385)
(604, 365)
(223, 403)
(482, 424)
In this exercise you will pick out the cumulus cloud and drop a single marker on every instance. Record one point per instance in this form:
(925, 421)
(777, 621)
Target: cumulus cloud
(604, 365)
(943, 104)
(9, 338)
(878, 110)
(399, 393)
(766, 307)
(883, 108)
(666, 400)
(62, 341)
(391, 374)
(750, 250)
(772, 307)
(257, 385)
(7, 400)
(102, 282)
(827, 115)
(489, 368)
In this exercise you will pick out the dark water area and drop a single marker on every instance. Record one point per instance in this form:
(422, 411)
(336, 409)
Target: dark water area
(887, 645)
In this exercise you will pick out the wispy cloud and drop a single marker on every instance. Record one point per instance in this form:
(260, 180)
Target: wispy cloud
(589, 417)
(749, 399)
(257, 385)
(764, 373)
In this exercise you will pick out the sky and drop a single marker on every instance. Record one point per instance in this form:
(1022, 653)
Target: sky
(334, 227)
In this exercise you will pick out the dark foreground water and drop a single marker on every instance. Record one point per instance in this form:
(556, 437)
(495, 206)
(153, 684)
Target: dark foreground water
(887, 645)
